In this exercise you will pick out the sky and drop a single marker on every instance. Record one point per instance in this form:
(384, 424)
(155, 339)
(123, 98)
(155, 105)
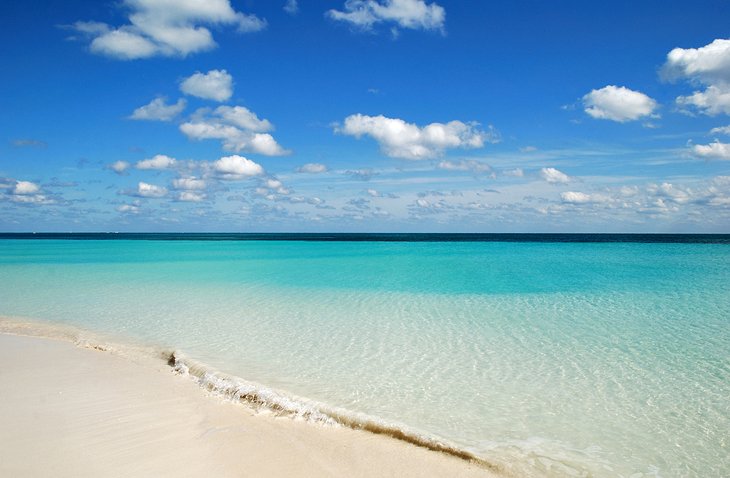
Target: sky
(365, 116)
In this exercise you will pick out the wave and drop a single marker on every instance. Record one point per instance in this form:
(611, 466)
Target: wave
(261, 397)
(257, 396)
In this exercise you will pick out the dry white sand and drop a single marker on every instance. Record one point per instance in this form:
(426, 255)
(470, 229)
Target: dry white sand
(75, 412)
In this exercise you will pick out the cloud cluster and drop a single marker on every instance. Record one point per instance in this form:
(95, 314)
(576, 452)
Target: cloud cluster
(618, 103)
(24, 192)
(399, 139)
(216, 85)
(165, 28)
(708, 66)
(411, 14)
(238, 128)
(159, 110)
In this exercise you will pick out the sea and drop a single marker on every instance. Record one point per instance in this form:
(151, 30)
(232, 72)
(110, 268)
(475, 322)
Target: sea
(596, 355)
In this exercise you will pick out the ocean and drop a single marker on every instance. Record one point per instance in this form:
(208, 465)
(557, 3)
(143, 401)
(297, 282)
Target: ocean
(545, 355)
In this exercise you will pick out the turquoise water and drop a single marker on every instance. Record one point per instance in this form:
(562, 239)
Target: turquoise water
(557, 359)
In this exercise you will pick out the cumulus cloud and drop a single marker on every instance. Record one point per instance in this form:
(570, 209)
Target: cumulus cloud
(574, 197)
(554, 176)
(399, 139)
(618, 103)
(272, 185)
(191, 196)
(715, 150)
(708, 65)
(159, 110)
(312, 168)
(128, 208)
(215, 85)
(411, 14)
(119, 167)
(238, 128)
(189, 183)
(237, 167)
(25, 187)
(159, 161)
(150, 190)
(670, 192)
(165, 28)
(713, 101)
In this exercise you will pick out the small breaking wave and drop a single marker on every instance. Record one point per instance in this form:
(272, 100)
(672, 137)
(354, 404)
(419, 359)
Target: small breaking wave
(239, 390)
(261, 397)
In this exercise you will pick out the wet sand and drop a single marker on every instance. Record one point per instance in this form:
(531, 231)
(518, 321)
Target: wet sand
(67, 411)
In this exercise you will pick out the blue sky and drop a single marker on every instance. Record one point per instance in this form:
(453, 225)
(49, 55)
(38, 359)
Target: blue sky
(365, 115)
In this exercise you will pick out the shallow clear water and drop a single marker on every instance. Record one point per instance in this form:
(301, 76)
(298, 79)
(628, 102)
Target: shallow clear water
(602, 359)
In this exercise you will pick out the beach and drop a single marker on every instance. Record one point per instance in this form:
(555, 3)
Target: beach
(539, 358)
(71, 411)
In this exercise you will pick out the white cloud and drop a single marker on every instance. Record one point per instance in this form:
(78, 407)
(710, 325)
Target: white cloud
(670, 192)
(189, 183)
(158, 110)
(515, 173)
(215, 85)
(312, 168)
(128, 208)
(715, 150)
(618, 103)
(413, 14)
(119, 167)
(25, 187)
(713, 101)
(471, 165)
(237, 167)
(165, 28)
(238, 128)
(554, 176)
(291, 7)
(150, 190)
(708, 65)
(243, 118)
(721, 130)
(574, 197)
(159, 161)
(399, 139)
(273, 184)
(191, 196)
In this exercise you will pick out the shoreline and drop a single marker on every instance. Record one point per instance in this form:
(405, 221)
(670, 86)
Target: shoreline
(66, 397)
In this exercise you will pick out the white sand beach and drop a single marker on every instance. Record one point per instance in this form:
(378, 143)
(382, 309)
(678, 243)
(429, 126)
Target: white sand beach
(68, 411)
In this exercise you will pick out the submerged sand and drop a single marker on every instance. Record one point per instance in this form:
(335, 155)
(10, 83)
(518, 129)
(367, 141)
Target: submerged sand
(67, 411)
